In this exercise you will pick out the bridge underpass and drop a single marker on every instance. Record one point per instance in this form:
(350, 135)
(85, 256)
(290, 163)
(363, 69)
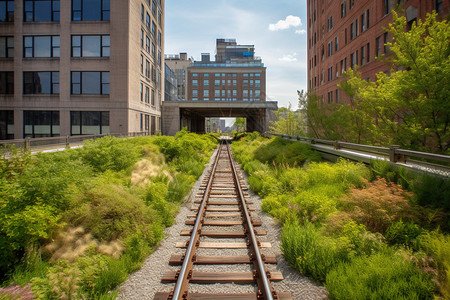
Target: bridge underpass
(193, 114)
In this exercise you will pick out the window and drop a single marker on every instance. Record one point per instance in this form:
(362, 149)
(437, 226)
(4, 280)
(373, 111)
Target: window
(336, 44)
(368, 52)
(142, 12)
(38, 123)
(41, 82)
(142, 64)
(206, 75)
(217, 93)
(345, 36)
(41, 46)
(387, 8)
(194, 82)
(330, 73)
(6, 46)
(153, 98)
(257, 93)
(352, 3)
(337, 95)
(438, 5)
(6, 124)
(206, 82)
(194, 93)
(6, 83)
(147, 20)
(41, 10)
(330, 23)
(147, 69)
(234, 82)
(323, 52)
(234, 93)
(245, 93)
(89, 122)
(363, 55)
(159, 58)
(153, 50)
(217, 82)
(205, 93)
(194, 74)
(343, 9)
(147, 44)
(378, 43)
(159, 18)
(154, 8)
(352, 60)
(257, 83)
(363, 22)
(330, 48)
(354, 29)
(146, 95)
(217, 75)
(153, 28)
(367, 19)
(90, 83)
(142, 38)
(141, 92)
(90, 10)
(7, 11)
(330, 97)
(386, 40)
(245, 83)
(90, 45)
(159, 38)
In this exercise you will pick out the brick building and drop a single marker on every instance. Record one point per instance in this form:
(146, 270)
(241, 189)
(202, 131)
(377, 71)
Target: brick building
(80, 67)
(235, 75)
(346, 33)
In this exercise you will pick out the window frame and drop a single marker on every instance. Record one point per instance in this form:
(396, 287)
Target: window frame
(105, 14)
(101, 43)
(8, 49)
(8, 81)
(54, 12)
(54, 84)
(52, 47)
(102, 84)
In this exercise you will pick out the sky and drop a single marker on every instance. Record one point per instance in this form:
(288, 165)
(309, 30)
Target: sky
(277, 28)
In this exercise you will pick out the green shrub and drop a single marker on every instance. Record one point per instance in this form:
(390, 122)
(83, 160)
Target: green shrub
(380, 276)
(108, 153)
(433, 192)
(310, 252)
(437, 245)
(156, 197)
(400, 233)
(180, 187)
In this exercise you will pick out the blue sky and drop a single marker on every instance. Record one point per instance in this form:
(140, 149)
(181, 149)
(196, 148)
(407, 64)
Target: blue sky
(277, 28)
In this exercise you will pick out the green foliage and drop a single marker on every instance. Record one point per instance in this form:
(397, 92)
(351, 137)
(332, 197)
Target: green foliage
(288, 122)
(108, 153)
(380, 276)
(281, 151)
(179, 187)
(433, 192)
(403, 234)
(311, 253)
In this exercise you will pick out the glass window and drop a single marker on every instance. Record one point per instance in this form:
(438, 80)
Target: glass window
(378, 44)
(217, 82)
(147, 20)
(90, 10)
(153, 97)
(159, 38)
(206, 82)
(205, 93)
(89, 122)
(6, 46)
(206, 75)
(7, 83)
(41, 10)
(147, 91)
(90, 83)
(7, 11)
(194, 93)
(40, 123)
(154, 8)
(141, 92)
(194, 74)
(41, 82)
(153, 28)
(90, 46)
(41, 46)
(386, 40)
(6, 124)
(217, 93)
(194, 82)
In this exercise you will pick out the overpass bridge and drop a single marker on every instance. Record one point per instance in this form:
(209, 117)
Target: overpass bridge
(192, 114)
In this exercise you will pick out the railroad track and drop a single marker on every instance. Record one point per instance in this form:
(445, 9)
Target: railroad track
(222, 204)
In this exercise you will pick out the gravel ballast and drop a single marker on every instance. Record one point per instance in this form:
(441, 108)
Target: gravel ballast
(146, 282)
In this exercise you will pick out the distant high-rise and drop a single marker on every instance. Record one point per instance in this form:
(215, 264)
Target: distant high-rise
(179, 63)
(345, 33)
(235, 75)
(80, 67)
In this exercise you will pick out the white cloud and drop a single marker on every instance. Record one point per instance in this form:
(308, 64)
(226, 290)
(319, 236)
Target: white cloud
(290, 21)
(289, 57)
(300, 31)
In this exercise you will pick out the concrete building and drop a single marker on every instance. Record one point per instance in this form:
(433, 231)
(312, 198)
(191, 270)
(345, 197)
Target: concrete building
(80, 67)
(179, 64)
(346, 33)
(233, 85)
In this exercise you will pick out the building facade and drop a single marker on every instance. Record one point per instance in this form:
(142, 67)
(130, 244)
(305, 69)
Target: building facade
(179, 63)
(80, 67)
(235, 75)
(344, 34)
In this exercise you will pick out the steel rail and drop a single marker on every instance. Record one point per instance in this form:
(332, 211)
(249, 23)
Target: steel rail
(177, 293)
(259, 260)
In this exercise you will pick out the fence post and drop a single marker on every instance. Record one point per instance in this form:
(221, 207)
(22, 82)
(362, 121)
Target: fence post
(393, 157)
(67, 141)
(313, 141)
(27, 143)
(336, 145)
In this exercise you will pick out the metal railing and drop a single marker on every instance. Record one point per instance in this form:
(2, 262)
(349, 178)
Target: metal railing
(60, 141)
(366, 153)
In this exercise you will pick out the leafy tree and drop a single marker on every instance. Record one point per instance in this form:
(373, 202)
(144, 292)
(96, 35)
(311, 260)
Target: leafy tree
(411, 106)
(288, 122)
(239, 124)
